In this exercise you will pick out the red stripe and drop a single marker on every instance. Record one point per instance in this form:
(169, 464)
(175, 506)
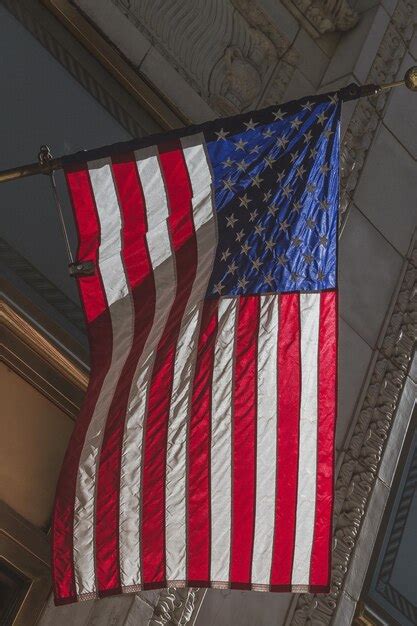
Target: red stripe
(244, 441)
(289, 397)
(327, 383)
(199, 437)
(100, 338)
(139, 276)
(154, 467)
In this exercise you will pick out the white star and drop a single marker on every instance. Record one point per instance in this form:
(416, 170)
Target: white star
(228, 162)
(253, 215)
(282, 260)
(267, 195)
(269, 161)
(321, 118)
(310, 187)
(284, 226)
(324, 168)
(300, 171)
(267, 133)
(321, 275)
(231, 269)
(327, 133)
(296, 241)
(296, 207)
(308, 136)
(308, 257)
(244, 200)
(272, 209)
(278, 115)
(280, 177)
(225, 255)
(231, 221)
(222, 134)
(313, 153)
(307, 106)
(334, 99)
(240, 145)
(228, 184)
(242, 165)
(269, 279)
(218, 288)
(254, 150)
(323, 241)
(245, 248)
(250, 125)
(287, 191)
(270, 245)
(259, 229)
(310, 223)
(324, 205)
(242, 282)
(256, 180)
(240, 235)
(256, 263)
(294, 156)
(282, 142)
(296, 123)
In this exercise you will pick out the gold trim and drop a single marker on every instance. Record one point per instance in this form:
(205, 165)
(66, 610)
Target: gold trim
(42, 346)
(166, 114)
(361, 617)
(37, 359)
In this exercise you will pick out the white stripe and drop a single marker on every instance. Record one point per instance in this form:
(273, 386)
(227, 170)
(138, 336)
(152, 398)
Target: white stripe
(186, 352)
(221, 443)
(307, 456)
(160, 253)
(266, 440)
(121, 313)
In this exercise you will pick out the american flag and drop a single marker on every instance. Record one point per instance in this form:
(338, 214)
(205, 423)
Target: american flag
(203, 454)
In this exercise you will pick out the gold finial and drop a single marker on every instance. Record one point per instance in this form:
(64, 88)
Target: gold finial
(410, 78)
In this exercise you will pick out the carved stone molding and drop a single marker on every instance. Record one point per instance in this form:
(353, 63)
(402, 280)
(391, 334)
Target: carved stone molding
(174, 608)
(34, 18)
(362, 456)
(323, 16)
(227, 50)
(369, 111)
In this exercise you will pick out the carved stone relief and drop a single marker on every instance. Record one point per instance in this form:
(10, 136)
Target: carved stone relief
(228, 50)
(323, 16)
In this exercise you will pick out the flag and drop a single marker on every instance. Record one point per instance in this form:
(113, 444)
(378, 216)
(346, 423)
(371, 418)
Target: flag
(203, 454)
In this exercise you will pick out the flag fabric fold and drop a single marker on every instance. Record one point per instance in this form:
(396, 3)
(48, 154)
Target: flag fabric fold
(204, 451)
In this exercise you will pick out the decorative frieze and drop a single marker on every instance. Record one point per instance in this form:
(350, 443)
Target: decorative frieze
(227, 50)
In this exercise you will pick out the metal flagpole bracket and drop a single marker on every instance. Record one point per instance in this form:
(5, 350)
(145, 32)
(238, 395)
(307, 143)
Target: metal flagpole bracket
(82, 268)
(75, 268)
(354, 91)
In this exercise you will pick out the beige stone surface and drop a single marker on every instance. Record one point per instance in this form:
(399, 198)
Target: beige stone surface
(34, 436)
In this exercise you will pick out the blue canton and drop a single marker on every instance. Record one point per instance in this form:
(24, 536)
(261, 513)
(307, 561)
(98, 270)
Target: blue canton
(276, 189)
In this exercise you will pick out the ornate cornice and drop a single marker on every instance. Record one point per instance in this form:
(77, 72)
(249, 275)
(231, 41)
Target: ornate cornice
(27, 13)
(369, 111)
(229, 51)
(358, 471)
(38, 343)
(42, 285)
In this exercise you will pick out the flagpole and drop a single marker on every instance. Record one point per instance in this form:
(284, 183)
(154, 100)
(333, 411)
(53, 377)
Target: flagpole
(351, 92)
